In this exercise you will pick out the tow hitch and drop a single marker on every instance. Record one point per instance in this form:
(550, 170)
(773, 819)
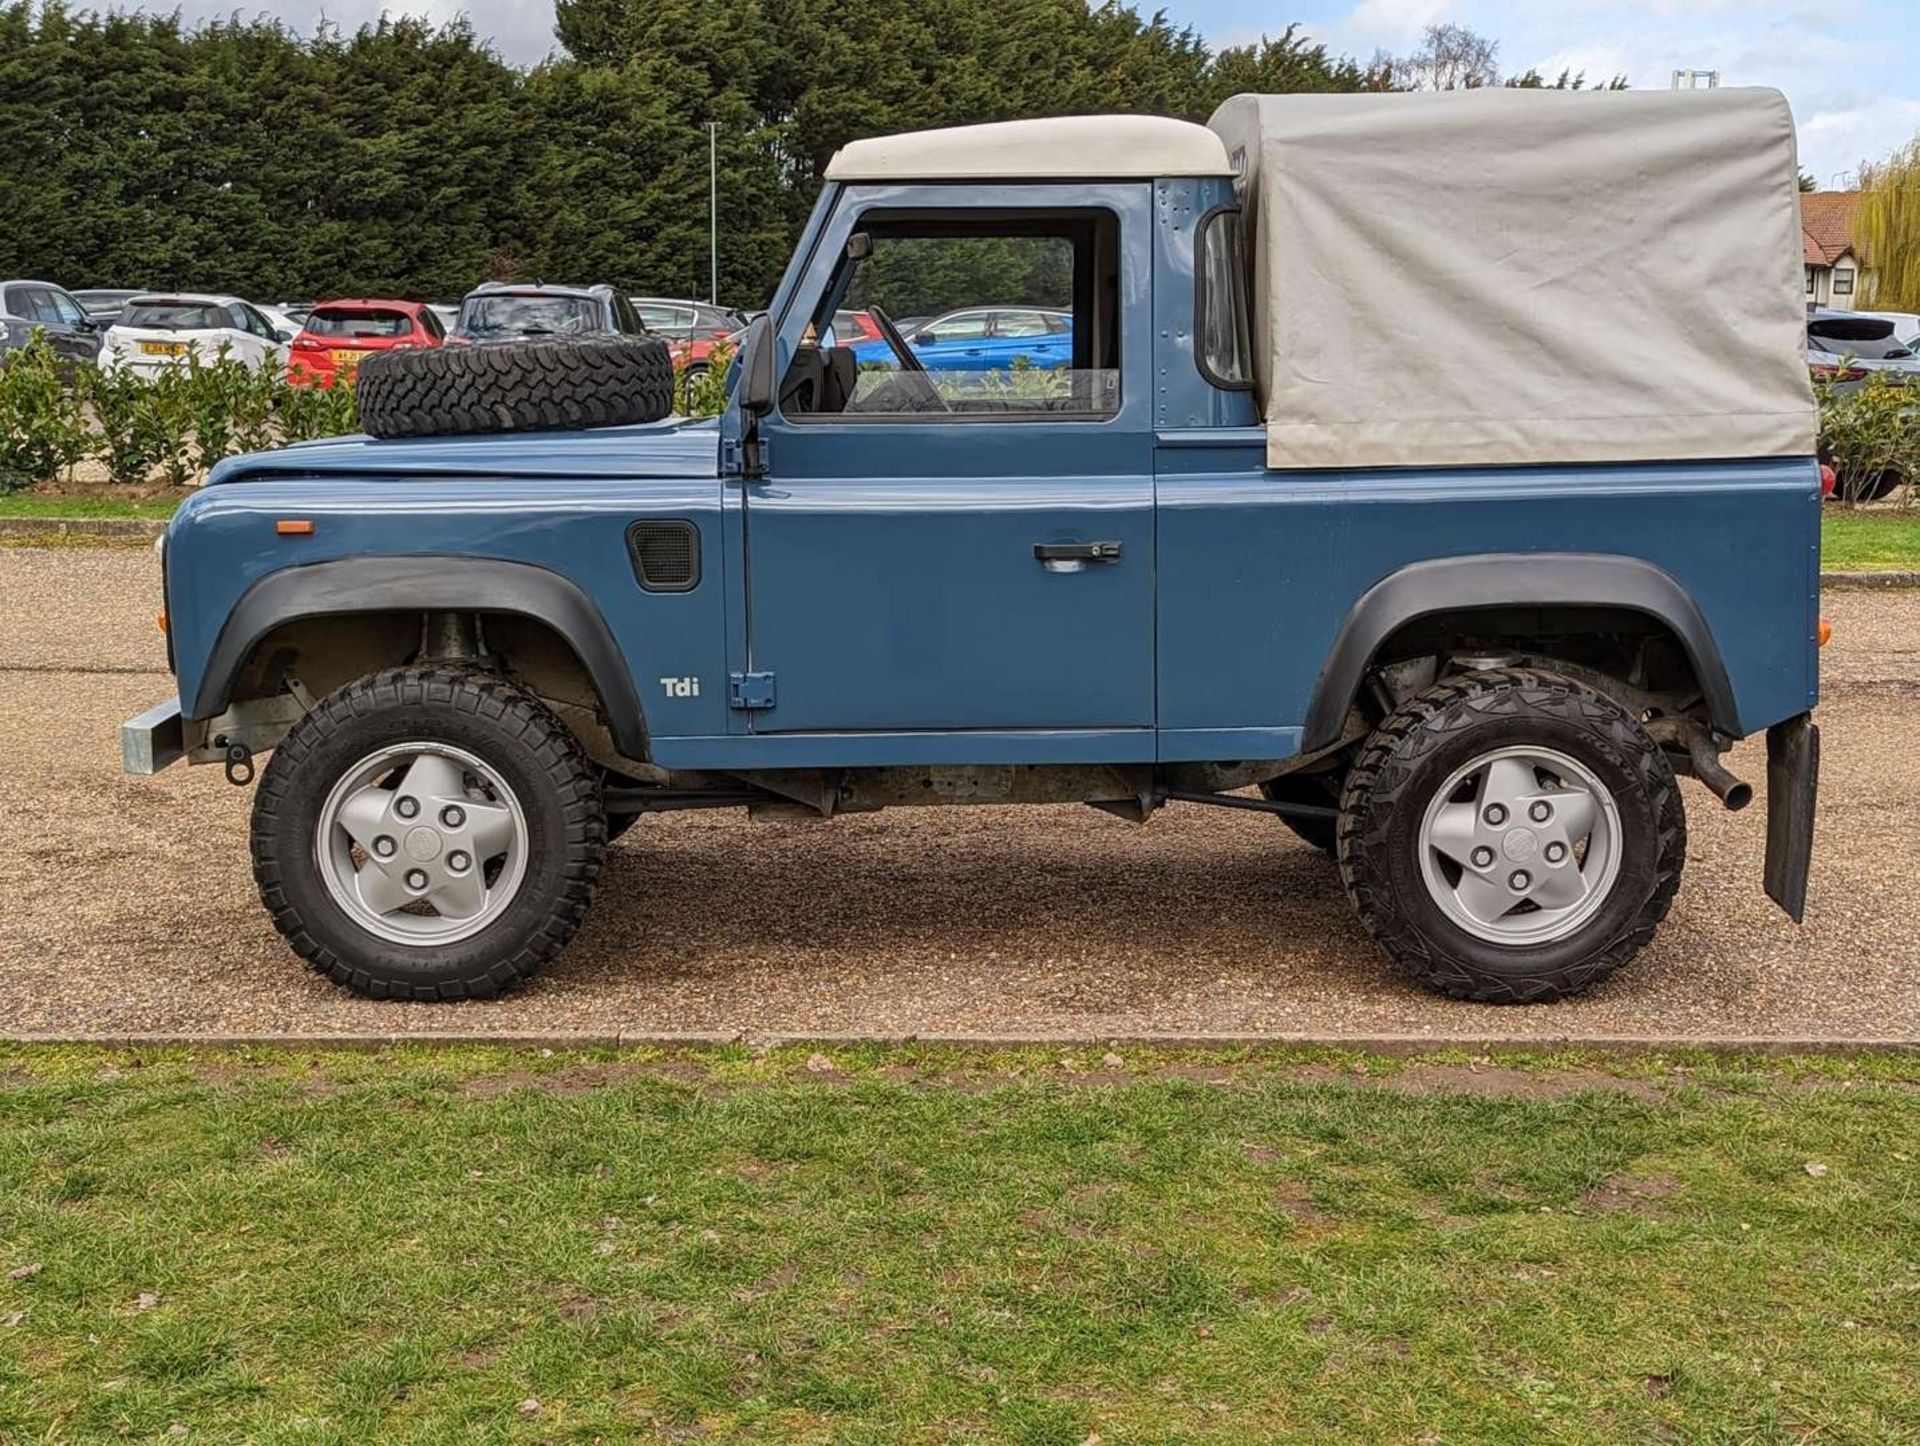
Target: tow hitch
(239, 761)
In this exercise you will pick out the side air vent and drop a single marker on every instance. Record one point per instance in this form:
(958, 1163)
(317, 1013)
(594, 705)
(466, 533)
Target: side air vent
(666, 555)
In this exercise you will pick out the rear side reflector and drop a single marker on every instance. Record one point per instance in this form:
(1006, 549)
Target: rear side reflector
(294, 527)
(1827, 480)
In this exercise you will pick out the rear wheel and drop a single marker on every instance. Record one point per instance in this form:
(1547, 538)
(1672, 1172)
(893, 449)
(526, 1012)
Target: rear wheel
(428, 833)
(1511, 836)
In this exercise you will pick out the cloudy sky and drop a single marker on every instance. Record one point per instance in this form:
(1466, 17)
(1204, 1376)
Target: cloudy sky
(1852, 71)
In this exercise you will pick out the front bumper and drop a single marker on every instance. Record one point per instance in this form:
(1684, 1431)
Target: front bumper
(153, 740)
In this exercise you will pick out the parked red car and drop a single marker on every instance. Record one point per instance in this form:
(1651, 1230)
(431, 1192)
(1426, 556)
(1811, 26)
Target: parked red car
(339, 334)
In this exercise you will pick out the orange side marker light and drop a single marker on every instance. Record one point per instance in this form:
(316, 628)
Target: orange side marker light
(160, 618)
(294, 527)
(1826, 632)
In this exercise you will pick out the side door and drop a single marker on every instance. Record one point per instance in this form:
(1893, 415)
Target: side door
(264, 347)
(68, 331)
(932, 552)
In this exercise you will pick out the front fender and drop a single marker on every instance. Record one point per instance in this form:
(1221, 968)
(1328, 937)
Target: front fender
(430, 583)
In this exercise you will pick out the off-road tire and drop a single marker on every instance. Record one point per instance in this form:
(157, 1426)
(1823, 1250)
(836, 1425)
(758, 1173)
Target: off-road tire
(516, 386)
(510, 729)
(1319, 789)
(1415, 750)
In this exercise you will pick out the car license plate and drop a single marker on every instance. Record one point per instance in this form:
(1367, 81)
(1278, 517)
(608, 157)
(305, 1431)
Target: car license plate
(163, 348)
(346, 358)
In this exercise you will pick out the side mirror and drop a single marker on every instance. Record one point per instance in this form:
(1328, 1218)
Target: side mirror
(282, 335)
(756, 376)
(925, 338)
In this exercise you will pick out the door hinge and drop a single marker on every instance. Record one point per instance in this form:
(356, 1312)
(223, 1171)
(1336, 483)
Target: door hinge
(745, 460)
(750, 692)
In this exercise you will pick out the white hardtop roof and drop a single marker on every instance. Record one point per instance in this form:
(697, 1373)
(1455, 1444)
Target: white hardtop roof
(1079, 146)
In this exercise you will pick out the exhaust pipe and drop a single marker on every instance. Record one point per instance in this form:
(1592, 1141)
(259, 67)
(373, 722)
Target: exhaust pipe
(1702, 760)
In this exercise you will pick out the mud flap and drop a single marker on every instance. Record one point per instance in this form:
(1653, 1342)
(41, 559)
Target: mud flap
(1793, 780)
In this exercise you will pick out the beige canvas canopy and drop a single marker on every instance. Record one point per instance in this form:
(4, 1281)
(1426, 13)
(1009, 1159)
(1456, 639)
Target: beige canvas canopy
(1512, 276)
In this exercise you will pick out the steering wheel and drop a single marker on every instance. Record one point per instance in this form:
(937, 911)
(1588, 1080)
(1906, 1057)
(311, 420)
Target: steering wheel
(909, 363)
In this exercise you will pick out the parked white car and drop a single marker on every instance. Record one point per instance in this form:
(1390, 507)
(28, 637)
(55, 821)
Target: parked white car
(163, 329)
(1906, 326)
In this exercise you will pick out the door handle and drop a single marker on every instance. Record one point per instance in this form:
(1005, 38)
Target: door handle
(1076, 551)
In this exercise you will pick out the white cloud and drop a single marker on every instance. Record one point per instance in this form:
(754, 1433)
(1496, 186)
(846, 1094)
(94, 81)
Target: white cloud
(1392, 22)
(521, 30)
(1834, 142)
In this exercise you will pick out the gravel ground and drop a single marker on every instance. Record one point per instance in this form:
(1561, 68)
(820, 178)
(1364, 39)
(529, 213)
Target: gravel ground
(129, 906)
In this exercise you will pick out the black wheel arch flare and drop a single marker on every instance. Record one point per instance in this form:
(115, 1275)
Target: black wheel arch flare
(1491, 580)
(435, 583)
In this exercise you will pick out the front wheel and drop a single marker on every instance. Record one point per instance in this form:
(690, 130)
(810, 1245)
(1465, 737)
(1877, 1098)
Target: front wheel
(1511, 837)
(428, 833)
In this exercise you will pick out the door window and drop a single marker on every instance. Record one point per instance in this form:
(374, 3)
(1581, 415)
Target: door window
(626, 318)
(970, 287)
(66, 310)
(666, 320)
(956, 326)
(41, 308)
(1223, 345)
(1027, 323)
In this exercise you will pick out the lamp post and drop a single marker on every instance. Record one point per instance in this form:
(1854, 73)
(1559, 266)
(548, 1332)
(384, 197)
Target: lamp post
(713, 212)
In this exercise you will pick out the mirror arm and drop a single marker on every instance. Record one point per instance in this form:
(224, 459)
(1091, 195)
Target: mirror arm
(753, 455)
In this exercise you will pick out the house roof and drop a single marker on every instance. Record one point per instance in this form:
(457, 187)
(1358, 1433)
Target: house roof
(1094, 146)
(1826, 225)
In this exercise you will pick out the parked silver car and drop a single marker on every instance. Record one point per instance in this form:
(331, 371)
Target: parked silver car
(1845, 348)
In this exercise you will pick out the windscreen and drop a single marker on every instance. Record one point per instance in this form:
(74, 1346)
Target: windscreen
(336, 322)
(176, 316)
(528, 316)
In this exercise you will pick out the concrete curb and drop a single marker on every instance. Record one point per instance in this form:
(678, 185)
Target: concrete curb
(78, 529)
(1383, 1044)
(1867, 581)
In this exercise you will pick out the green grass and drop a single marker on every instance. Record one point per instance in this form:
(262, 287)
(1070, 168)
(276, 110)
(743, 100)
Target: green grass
(34, 504)
(1870, 541)
(952, 1247)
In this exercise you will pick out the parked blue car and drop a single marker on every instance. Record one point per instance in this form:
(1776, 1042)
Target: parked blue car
(1257, 540)
(983, 339)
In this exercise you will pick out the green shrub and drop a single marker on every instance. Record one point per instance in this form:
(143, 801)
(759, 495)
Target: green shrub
(232, 408)
(1869, 434)
(43, 431)
(704, 394)
(173, 425)
(316, 411)
(132, 435)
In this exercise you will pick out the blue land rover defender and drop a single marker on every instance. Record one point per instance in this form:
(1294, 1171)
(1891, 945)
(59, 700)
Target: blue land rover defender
(1393, 489)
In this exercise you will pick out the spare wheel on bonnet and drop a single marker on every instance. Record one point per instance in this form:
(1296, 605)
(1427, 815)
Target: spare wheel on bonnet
(517, 386)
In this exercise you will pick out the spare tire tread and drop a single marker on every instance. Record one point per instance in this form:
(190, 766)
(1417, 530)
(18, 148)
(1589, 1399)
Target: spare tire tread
(517, 386)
